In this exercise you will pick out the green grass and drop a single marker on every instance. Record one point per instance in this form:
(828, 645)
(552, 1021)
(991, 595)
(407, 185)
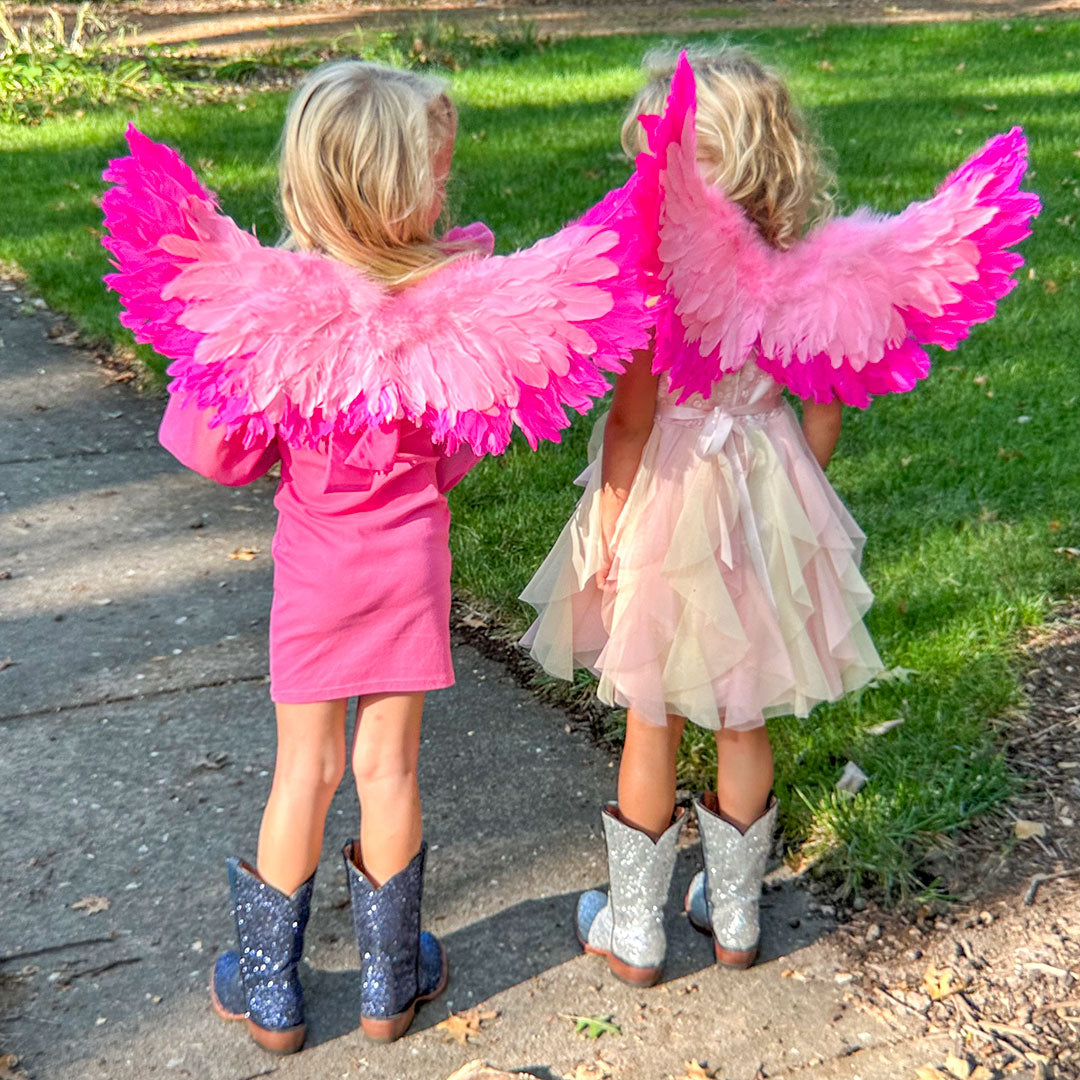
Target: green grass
(963, 505)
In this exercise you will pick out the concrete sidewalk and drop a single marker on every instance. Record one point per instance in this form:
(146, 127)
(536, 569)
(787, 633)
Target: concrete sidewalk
(136, 744)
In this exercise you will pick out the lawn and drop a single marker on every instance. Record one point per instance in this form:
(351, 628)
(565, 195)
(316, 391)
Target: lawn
(965, 487)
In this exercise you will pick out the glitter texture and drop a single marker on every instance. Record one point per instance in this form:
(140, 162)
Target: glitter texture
(260, 980)
(728, 893)
(398, 963)
(630, 925)
(228, 984)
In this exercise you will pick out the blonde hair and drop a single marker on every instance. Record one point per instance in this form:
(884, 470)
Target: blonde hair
(753, 142)
(356, 175)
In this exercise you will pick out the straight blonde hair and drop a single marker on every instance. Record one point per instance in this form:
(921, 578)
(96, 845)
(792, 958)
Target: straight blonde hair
(753, 142)
(356, 176)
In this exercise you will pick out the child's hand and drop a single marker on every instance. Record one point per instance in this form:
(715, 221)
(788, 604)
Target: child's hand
(611, 506)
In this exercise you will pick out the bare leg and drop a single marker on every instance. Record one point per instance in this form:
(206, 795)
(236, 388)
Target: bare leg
(310, 764)
(647, 773)
(744, 775)
(384, 759)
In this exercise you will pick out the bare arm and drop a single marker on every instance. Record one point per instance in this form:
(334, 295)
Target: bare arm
(821, 428)
(629, 425)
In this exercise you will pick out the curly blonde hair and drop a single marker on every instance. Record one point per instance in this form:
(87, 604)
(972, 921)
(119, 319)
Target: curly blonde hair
(356, 173)
(753, 141)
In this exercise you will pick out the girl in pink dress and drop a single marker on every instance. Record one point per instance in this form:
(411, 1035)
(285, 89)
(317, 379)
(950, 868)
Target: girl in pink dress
(710, 572)
(374, 361)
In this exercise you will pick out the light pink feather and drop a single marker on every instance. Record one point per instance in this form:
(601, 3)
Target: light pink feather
(298, 343)
(846, 311)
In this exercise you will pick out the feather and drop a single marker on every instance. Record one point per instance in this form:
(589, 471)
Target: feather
(846, 312)
(308, 347)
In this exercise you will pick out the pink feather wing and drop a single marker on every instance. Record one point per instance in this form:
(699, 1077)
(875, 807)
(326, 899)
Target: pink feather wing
(267, 337)
(844, 313)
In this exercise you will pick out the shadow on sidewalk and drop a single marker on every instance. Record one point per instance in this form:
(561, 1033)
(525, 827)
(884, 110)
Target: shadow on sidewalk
(534, 936)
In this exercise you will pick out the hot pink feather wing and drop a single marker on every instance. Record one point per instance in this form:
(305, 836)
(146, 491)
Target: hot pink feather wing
(844, 313)
(274, 338)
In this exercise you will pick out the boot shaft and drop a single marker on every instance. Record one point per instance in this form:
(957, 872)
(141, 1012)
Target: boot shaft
(734, 868)
(640, 871)
(270, 930)
(386, 921)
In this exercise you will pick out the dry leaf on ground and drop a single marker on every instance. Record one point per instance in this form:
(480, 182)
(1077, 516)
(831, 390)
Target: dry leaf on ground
(959, 1067)
(592, 1070)
(7, 662)
(465, 1026)
(938, 982)
(92, 904)
(1026, 829)
(9, 1068)
(481, 1070)
(244, 554)
(698, 1070)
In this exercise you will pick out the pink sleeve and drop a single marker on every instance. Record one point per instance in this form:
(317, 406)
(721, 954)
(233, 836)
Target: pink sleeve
(452, 468)
(210, 451)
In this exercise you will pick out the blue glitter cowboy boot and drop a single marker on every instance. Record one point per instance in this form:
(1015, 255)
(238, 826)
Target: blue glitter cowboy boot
(400, 965)
(723, 899)
(628, 926)
(259, 982)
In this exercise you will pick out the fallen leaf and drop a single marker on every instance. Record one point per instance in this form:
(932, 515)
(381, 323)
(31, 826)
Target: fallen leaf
(7, 662)
(959, 1067)
(481, 1070)
(592, 1027)
(1050, 286)
(9, 1068)
(244, 554)
(791, 973)
(465, 1026)
(592, 1070)
(1025, 830)
(92, 904)
(697, 1070)
(938, 982)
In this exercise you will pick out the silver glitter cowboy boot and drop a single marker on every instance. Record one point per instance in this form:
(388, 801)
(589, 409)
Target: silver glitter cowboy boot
(628, 926)
(259, 981)
(400, 965)
(723, 899)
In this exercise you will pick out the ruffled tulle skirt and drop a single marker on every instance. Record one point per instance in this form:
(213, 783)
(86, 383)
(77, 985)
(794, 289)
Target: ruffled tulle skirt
(735, 592)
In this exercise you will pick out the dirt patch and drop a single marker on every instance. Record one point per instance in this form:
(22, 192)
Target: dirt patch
(1001, 973)
(233, 26)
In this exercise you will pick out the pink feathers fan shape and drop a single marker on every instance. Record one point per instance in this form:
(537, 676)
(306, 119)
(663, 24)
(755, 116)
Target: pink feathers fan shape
(298, 343)
(846, 311)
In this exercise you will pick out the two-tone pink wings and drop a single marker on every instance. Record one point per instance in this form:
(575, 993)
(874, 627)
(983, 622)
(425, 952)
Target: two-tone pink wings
(293, 342)
(845, 312)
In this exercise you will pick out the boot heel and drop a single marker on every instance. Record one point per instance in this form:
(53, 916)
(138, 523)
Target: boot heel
(634, 976)
(734, 958)
(278, 1042)
(389, 1030)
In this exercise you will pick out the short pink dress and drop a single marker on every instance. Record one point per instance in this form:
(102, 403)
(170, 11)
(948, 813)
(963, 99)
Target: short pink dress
(361, 558)
(737, 593)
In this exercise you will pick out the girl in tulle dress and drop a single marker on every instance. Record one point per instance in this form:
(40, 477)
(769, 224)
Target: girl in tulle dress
(710, 572)
(374, 360)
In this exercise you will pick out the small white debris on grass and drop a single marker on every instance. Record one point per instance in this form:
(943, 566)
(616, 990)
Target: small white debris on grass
(853, 779)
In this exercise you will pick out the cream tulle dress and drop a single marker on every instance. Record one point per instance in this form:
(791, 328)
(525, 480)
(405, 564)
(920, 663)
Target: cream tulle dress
(736, 590)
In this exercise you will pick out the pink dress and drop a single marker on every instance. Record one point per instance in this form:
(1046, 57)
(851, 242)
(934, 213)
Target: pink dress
(361, 558)
(737, 593)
